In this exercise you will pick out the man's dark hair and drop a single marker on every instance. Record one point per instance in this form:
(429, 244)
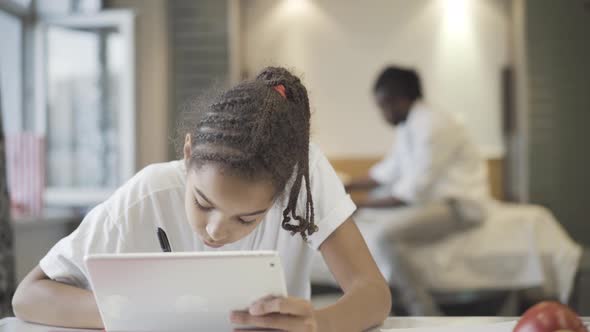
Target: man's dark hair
(399, 82)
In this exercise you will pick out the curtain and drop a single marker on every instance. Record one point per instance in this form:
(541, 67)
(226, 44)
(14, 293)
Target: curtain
(7, 279)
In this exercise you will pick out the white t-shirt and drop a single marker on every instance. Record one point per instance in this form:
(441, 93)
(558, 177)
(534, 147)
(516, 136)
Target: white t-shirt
(432, 159)
(154, 197)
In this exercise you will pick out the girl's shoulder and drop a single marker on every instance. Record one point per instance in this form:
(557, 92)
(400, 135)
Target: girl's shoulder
(157, 177)
(324, 179)
(149, 183)
(315, 155)
(162, 175)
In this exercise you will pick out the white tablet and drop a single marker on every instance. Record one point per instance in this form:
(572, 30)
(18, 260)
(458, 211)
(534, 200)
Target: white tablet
(181, 291)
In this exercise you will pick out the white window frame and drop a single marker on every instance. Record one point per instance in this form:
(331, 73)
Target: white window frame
(14, 8)
(124, 21)
(22, 13)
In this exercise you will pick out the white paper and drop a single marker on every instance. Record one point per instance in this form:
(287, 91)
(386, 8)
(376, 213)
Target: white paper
(489, 327)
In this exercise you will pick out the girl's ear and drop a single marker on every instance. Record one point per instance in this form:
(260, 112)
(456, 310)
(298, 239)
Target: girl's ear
(187, 147)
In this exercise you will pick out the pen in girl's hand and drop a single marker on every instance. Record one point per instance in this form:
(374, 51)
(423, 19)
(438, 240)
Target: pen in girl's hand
(163, 238)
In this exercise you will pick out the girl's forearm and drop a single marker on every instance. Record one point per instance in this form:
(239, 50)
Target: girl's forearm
(52, 303)
(361, 307)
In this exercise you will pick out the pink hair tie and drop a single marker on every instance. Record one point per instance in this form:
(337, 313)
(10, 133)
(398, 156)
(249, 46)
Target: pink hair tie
(281, 90)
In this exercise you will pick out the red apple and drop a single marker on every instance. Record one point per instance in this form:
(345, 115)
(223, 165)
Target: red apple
(550, 317)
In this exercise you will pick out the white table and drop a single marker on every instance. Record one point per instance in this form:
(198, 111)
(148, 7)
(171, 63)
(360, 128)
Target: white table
(15, 325)
(407, 322)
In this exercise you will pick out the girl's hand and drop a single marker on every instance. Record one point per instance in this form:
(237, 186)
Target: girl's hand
(280, 313)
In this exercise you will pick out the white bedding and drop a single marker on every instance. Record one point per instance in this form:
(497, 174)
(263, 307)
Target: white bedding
(518, 246)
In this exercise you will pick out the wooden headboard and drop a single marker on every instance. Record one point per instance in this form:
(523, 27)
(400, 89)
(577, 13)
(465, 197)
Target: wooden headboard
(356, 167)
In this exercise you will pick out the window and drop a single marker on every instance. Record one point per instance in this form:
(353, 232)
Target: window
(78, 70)
(89, 107)
(82, 107)
(11, 72)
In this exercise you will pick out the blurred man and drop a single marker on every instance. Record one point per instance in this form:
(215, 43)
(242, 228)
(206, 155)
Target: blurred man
(432, 183)
(432, 159)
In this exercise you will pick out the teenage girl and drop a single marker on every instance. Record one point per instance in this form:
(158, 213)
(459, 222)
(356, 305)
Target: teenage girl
(249, 180)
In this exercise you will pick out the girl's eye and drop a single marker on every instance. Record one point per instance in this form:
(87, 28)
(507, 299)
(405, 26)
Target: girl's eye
(201, 207)
(245, 222)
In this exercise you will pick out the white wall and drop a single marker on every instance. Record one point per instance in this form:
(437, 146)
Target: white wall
(339, 46)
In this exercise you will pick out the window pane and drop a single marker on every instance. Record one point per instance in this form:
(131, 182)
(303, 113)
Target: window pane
(54, 7)
(83, 109)
(11, 82)
(22, 3)
(63, 7)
